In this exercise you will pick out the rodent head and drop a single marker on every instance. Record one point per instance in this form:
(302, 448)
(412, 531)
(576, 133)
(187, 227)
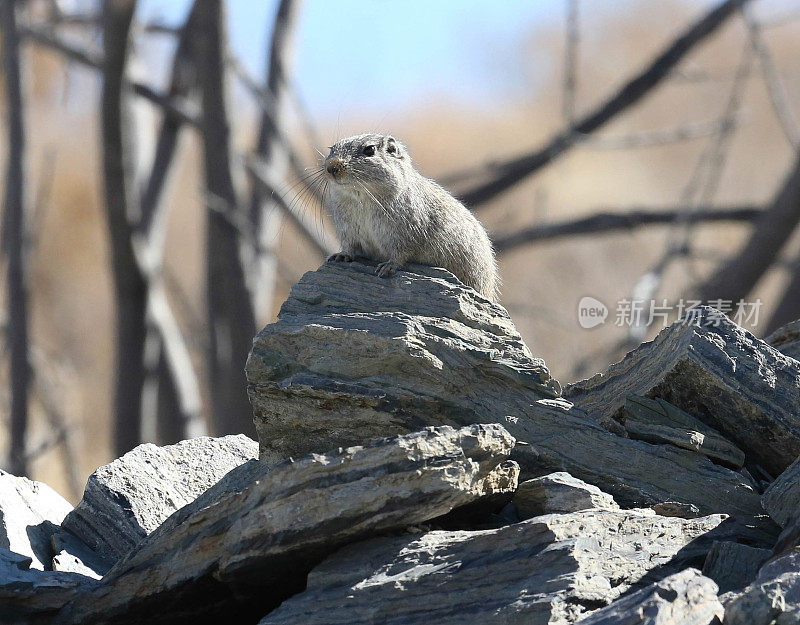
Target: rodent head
(378, 162)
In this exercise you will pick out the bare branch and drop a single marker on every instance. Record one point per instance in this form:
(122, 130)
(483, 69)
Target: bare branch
(605, 222)
(268, 102)
(14, 241)
(775, 88)
(571, 63)
(735, 278)
(511, 171)
(788, 308)
(273, 151)
(94, 20)
(47, 37)
(699, 190)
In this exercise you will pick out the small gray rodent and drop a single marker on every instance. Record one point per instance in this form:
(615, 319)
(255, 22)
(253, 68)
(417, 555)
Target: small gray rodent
(386, 210)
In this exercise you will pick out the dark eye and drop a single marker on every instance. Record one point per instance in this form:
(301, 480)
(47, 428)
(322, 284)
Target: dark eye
(369, 150)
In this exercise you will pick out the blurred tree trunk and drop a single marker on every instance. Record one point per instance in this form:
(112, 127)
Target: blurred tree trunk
(171, 388)
(736, 277)
(265, 214)
(231, 322)
(130, 285)
(14, 242)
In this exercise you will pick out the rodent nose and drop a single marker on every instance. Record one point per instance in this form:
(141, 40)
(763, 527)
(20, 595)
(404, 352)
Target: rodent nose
(334, 167)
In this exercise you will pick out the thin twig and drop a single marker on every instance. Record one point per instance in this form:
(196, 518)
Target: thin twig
(571, 63)
(775, 88)
(654, 138)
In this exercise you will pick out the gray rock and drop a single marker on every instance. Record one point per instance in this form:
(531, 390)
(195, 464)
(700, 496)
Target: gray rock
(551, 569)
(717, 372)
(658, 421)
(772, 599)
(354, 357)
(29, 514)
(787, 339)
(238, 555)
(686, 598)
(782, 498)
(72, 555)
(558, 493)
(732, 565)
(31, 596)
(127, 499)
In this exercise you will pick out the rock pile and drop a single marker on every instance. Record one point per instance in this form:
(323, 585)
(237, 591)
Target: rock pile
(417, 464)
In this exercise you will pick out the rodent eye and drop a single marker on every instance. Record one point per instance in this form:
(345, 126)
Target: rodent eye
(369, 150)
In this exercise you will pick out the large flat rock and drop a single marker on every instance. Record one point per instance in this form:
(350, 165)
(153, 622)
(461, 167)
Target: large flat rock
(30, 512)
(236, 552)
(717, 372)
(552, 569)
(130, 497)
(353, 357)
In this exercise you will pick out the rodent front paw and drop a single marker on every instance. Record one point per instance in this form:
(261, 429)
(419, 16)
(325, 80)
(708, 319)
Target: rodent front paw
(387, 269)
(341, 257)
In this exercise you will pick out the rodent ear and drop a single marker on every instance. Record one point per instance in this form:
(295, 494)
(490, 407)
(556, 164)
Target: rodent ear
(393, 147)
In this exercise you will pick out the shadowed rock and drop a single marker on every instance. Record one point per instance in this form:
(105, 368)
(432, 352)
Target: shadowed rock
(129, 498)
(686, 598)
(30, 596)
(717, 372)
(236, 552)
(787, 339)
(552, 569)
(30, 513)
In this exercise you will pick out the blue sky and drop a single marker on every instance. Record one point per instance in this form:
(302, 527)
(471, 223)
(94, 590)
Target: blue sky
(365, 56)
(374, 57)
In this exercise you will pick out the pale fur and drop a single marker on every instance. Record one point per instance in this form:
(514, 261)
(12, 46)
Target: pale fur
(385, 210)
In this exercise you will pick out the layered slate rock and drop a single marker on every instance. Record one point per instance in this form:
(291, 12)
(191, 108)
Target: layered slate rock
(658, 421)
(686, 598)
(30, 596)
(717, 372)
(129, 498)
(552, 569)
(235, 553)
(772, 599)
(732, 565)
(782, 498)
(558, 493)
(353, 356)
(787, 339)
(30, 512)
